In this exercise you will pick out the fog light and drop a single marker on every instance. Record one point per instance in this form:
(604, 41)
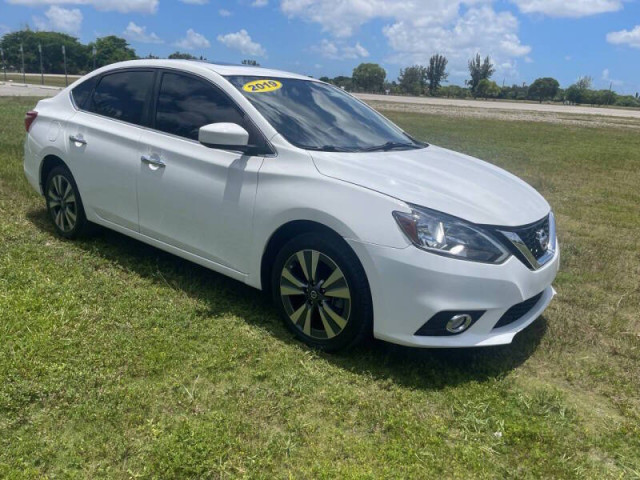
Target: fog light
(459, 323)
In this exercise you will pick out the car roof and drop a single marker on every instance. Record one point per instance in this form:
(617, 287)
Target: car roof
(219, 68)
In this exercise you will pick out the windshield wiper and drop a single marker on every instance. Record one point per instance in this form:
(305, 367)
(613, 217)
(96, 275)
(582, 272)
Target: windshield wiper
(390, 146)
(326, 148)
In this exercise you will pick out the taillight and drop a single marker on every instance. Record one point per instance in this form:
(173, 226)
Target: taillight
(29, 117)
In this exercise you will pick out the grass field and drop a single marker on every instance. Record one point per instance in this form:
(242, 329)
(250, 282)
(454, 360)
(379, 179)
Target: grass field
(120, 361)
(49, 80)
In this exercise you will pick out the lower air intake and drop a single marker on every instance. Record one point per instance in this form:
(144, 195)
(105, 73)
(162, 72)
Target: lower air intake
(518, 311)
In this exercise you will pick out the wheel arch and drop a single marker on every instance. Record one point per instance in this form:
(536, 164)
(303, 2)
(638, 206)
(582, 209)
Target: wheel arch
(282, 235)
(48, 163)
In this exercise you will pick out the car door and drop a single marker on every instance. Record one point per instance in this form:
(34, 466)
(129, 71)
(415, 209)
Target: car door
(104, 144)
(190, 196)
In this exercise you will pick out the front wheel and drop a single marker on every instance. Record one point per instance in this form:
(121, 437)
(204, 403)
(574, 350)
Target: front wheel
(322, 292)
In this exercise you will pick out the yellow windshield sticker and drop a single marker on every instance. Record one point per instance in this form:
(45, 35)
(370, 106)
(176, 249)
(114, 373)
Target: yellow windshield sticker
(259, 86)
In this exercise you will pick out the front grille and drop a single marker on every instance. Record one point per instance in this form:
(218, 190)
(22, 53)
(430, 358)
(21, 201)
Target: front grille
(518, 311)
(528, 235)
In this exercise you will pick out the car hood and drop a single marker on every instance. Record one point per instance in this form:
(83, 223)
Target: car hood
(442, 180)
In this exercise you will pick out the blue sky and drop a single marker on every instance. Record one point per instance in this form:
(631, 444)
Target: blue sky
(526, 38)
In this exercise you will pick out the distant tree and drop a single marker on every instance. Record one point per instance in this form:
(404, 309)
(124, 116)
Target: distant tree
(392, 87)
(112, 49)
(487, 89)
(151, 56)
(182, 56)
(543, 88)
(52, 42)
(343, 82)
(412, 80)
(479, 70)
(514, 92)
(601, 97)
(325, 79)
(574, 94)
(627, 101)
(369, 77)
(454, 91)
(253, 63)
(560, 95)
(580, 91)
(436, 72)
(584, 83)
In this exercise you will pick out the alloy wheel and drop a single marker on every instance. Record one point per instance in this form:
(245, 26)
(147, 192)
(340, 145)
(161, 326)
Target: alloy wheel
(62, 203)
(315, 294)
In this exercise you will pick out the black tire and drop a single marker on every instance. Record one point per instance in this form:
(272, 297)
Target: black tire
(330, 251)
(68, 217)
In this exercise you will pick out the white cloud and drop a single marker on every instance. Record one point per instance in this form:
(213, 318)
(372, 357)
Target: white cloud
(260, 3)
(137, 33)
(195, 2)
(224, 13)
(340, 19)
(4, 29)
(340, 51)
(415, 30)
(568, 8)
(478, 30)
(625, 37)
(60, 20)
(193, 40)
(122, 6)
(242, 42)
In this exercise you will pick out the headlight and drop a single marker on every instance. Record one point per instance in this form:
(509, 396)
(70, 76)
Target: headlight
(445, 235)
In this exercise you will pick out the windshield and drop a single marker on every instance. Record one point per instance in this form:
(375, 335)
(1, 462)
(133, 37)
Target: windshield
(317, 116)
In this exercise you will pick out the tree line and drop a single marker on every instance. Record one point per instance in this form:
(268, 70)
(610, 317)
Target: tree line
(366, 77)
(421, 80)
(80, 57)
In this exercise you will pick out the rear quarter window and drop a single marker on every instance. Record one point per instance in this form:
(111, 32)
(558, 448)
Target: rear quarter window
(82, 92)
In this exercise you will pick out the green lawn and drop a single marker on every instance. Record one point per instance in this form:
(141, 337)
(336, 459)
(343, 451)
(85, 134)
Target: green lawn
(50, 80)
(119, 361)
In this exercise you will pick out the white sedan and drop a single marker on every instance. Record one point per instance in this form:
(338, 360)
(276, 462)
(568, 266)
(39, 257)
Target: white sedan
(293, 186)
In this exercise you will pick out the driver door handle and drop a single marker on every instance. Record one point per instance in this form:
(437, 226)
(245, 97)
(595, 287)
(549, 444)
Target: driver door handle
(153, 160)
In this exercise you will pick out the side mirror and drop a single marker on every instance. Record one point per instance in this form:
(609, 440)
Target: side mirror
(230, 136)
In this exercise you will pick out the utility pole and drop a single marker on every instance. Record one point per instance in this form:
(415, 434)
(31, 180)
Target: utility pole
(4, 67)
(64, 56)
(609, 96)
(41, 69)
(94, 51)
(24, 77)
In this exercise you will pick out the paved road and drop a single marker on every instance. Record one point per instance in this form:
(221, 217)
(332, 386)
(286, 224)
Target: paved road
(510, 106)
(11, 89)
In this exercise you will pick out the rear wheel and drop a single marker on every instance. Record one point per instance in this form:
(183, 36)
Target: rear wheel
(64, 204)
(322, 293)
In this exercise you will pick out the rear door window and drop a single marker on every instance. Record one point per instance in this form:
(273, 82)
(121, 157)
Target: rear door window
(123, 95)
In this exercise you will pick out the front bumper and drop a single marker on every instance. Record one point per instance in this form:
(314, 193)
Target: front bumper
(409, 286)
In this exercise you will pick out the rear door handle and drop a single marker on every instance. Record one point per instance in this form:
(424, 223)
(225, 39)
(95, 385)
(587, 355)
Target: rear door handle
(78, 139)
(153, 160)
